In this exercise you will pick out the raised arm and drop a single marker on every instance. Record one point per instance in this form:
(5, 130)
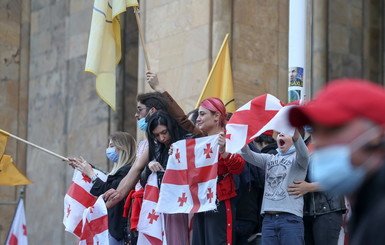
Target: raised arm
(173, 108)
(112, 197)
(256, 159)
(302, 157)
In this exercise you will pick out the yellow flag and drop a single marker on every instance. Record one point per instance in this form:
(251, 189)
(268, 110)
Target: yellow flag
(3, 141)
(105, 47)
(220, 80)
(9, 174)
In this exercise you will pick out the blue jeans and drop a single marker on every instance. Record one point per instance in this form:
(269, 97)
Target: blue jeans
(282, 229)
(113, 241)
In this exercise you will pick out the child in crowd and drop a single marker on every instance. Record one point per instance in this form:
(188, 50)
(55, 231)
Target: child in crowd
(282, 223)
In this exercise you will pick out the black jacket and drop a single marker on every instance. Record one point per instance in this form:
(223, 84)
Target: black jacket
(317, 203)
(250, 184)
(116, 222)
(366, 225)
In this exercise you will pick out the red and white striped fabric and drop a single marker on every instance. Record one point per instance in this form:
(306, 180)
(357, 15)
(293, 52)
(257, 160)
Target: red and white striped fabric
(249, 119)
(150, 225)
(77, 199)
(95, 224)
(280, 123)
(189, 184)
(18, 232)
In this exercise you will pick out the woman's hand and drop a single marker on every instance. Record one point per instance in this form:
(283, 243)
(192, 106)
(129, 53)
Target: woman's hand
(112, 197)
(222, 145)
(83, 166)
(154, 166)
(71, 162)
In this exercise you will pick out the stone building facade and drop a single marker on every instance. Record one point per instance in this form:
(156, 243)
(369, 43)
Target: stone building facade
(47, 98)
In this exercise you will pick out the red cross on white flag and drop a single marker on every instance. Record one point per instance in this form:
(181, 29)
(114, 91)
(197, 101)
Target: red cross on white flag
(249, 119)
(18, 232)
(77, 200)
(190, 182)
(95, 224)
(280, 123)
(150, 225)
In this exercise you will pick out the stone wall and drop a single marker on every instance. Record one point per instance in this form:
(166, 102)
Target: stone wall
(260, 49)
(183, 45)
(14, 57)
(177, 38)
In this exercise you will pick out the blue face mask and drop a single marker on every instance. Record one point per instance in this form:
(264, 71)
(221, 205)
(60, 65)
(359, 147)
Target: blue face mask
(332, 169)
(142, 124)
(111, 154)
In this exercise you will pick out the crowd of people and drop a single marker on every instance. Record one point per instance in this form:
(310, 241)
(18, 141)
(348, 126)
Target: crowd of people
(278, 189)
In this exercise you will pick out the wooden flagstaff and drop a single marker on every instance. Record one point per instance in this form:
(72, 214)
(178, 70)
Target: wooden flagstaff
(34, 145)
(136, 11)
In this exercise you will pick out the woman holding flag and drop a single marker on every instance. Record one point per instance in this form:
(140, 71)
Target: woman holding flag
(162, 131)
(122, 152)
(211, 227)
(216, 227)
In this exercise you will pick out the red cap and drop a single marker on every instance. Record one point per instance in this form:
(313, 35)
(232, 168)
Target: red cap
(341, 101)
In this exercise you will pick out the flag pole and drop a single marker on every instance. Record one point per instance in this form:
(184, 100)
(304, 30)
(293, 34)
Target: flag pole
(34, 145)
(142, 38)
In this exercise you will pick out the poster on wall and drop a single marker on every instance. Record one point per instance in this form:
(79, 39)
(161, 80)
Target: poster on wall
(296, 88)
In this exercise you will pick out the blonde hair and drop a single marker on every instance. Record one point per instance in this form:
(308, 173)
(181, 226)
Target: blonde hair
(127, 145)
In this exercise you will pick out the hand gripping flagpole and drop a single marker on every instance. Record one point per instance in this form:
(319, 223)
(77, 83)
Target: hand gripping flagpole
(34, 145)
(136, 11)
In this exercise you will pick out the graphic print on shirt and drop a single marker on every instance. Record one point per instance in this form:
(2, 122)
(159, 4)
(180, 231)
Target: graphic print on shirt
(276, 174)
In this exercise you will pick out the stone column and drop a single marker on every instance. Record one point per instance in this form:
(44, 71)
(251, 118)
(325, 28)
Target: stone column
(319, 71)
(221, 25)
(372, 28)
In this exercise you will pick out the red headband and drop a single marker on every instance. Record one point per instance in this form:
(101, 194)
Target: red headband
(216, 105)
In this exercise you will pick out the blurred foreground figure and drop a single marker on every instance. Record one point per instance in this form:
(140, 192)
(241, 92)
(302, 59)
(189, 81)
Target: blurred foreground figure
(348, 121)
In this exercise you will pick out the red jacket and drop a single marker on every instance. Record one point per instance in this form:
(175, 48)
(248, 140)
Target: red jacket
(232, 164)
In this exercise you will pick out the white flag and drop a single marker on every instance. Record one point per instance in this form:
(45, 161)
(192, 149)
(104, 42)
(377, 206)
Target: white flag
(280, 123)
(95, 224)
(249, 119)
(18, 232)
(150, 226)
(190, 182)
(77, 200)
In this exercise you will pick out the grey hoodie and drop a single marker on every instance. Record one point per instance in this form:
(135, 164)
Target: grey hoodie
(281, 170)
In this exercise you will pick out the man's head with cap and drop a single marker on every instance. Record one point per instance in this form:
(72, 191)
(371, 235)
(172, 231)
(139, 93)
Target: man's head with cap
(348, 112)
(342, 101)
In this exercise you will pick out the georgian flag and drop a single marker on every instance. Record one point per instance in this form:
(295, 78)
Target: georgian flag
(18, 232)
(190, 182)
(95, 224)
(150, 225)
(280, 123)
(249, 119)
(77, 200)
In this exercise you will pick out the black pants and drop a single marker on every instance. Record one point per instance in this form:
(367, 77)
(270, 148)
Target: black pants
(209, 227)
(323, 229)
(243, 231)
